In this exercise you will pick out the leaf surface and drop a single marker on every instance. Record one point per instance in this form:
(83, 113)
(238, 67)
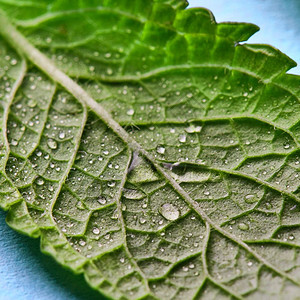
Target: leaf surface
(149, 150)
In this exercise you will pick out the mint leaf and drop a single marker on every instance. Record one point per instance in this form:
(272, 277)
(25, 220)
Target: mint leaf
(151, 151)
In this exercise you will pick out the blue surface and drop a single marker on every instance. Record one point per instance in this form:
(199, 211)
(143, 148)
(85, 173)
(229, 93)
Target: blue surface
(25, 273)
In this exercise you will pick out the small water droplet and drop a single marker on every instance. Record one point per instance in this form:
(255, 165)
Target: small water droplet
(130, 112)
(102, 200)
(52, 144)
(61, 135)
(32, 103)
(96, 231)
(111, 184)
(142, 220)
(192, 128)
(250, 199)
(291, 237)
(40, 181)
(160, 149)
(14, 142)
(182, 138)
(243, 226)
(82, 243)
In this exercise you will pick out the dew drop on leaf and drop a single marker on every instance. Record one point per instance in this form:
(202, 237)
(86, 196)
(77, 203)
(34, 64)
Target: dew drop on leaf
(130, 112)
(182, 138)
(169, 211)
(102, 200)
(250, 198)
(243, 226)
(96, 231)
(61, 135)
(160, 149)
(52, 144)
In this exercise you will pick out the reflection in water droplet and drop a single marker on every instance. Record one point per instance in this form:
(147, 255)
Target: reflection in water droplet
(169, 211)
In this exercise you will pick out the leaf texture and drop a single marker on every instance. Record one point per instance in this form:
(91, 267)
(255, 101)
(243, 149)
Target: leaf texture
(150, 150)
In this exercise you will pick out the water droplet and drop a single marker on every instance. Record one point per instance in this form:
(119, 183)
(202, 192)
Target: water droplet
(142, 220)
(291, 237)
(14, 142)
(130, 112)
(160, 149)
(111, 184)
(169, 211)
(40, 181)
(52, 144)
(243, 226)
(122, 260)
(109, 71)
(182, 138)
(102, 200)
(32, 103)
(286, 146)
(250, 198)
(61, 135)
(82, 243)
(192, 128)
(96, 231)
(13, 62)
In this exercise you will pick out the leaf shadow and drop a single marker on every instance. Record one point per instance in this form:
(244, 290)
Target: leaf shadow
(61, 279)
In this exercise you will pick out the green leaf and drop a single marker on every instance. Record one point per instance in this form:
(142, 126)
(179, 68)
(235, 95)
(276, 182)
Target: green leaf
(150, 150)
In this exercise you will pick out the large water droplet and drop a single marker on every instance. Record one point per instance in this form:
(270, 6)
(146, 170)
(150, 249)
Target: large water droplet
(169, 211)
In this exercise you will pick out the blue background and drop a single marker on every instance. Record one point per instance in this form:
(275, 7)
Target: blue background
(25, 273)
